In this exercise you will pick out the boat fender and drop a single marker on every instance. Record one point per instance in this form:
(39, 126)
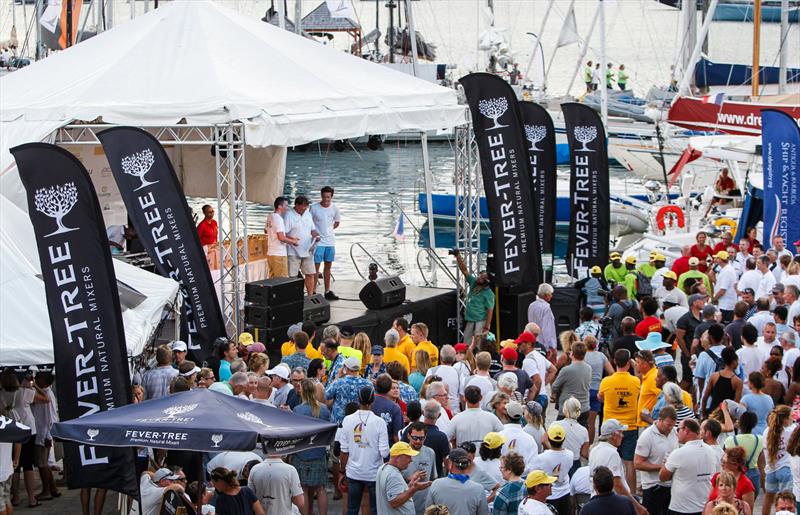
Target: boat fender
(726, 222)
(673, 211)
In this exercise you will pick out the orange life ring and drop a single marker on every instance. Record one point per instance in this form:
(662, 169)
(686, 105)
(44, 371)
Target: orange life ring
(674, 210)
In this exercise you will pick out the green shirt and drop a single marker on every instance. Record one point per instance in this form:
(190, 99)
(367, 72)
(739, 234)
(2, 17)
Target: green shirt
(697, 274)
(647, 269)
(478, 301)
(622, 77)
(609, 77)
(630, 283)
(615, 275)
(587, 74)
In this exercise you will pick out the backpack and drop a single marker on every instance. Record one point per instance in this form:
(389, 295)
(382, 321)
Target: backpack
(630, 309)
(719, 365)
(643, 286)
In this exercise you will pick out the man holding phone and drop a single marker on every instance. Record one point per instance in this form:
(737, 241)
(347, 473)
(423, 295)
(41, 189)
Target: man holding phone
(394, 494)
(424, 462)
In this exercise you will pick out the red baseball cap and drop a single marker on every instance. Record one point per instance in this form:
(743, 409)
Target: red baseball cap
(460, 348)
(797, 243)
(509, 354)
(525, 337)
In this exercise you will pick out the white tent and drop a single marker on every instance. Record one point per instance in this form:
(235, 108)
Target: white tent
(203, 63)
(25, 337)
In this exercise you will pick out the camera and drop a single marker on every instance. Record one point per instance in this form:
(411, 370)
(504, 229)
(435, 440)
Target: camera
(453, 252)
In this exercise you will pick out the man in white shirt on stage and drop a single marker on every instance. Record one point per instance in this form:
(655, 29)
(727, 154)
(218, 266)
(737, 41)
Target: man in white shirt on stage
(278, 240)
(326, 218)
(300, 226)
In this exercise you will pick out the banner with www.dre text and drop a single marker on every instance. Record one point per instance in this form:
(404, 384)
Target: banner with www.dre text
(780, 139)
(157, 207)
(502, 147)
(588, 189)
(83, 303)
(541, 136)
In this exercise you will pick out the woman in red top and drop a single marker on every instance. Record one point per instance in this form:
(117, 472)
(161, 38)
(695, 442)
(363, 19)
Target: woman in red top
(750, 236)
(733, 461)
(701, 251)
(726, 495)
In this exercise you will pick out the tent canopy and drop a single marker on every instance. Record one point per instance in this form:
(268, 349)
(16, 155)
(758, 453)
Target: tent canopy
(202, 63)
(199, 420)
(25, 336)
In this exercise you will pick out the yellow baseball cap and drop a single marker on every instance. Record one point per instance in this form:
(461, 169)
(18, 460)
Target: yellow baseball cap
(653, 253)
(494, 440)
(556, 433)
(670, 275)
(615, 255)
(658, 257)
(596, 270)
(722, 254)
(402, 449)
(539, 477)
(508, 344)
(246, 339)
(631, 260)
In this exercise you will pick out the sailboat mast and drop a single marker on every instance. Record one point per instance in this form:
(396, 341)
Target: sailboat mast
(538, 38)
(784, 46)
(584, 49)
(603, 66)
(756, 43)
(298, 14)
(412, 32)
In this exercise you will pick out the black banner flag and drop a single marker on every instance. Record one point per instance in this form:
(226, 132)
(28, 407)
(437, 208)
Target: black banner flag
(497, 123)
(83, 302)
(541, 136)
(157, 206)
(588, 189)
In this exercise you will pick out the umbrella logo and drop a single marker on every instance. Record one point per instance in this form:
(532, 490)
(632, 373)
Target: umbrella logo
(217, 438)
(92, 433)
(10, 421)
(174, 411)
(249, 417)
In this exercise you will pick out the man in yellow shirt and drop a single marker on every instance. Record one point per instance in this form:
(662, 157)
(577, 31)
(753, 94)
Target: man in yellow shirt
(648, 394)
(392, 352)
(308, 327)
(419, 335)
(406, 344)
(619, 394)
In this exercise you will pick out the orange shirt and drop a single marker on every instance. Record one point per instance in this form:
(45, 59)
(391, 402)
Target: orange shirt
(311, 353)
(432, 351)
(407, 347)
(648, 394)
(393, 354)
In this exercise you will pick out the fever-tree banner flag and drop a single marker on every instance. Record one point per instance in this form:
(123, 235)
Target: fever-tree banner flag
(83, 303)
(157, 206)
(502, 147)
(588, 189)
(541, 137)
(780, 151)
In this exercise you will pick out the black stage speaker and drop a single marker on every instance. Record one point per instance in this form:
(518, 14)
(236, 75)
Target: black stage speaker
(273, 316)
(383, 293)
(513, 309)
(317, 309)
(272, 292)
(565, 305)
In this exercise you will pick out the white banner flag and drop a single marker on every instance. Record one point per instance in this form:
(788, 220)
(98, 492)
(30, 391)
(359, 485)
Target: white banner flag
(569, 31)
(340, 8)
(51, 15)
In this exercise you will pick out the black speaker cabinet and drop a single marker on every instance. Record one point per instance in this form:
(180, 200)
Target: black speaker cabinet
(566, 304)
(513, 308)
(274, 315)
(316, 309)
(383, 293)
(270, 292)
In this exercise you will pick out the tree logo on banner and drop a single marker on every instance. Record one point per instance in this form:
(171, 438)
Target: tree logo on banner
(138, 164)
(174, 411)
(56, 202)
(249, 417)
(91, 433)
(534, 134)
(585, 134)
(216, 438)
(494, 108)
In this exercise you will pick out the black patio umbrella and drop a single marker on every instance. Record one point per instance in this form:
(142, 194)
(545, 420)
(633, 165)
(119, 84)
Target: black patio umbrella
(12, 431)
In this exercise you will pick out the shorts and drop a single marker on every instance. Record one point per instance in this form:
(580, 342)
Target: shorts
(27, 456)
(628, 446)
(304, 265)
(594, 403)
(278, 266)
(326, 254)
(5, 493)
(312, 472)
(42, 455)
(778, 480)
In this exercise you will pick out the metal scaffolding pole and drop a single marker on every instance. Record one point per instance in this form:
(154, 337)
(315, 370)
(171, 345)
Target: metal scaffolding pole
(468, 188)
(232, 221)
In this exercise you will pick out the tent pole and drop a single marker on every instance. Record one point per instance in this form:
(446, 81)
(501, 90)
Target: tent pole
(429, 201)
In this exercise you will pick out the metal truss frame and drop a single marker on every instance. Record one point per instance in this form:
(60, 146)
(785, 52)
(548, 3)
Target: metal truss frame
(468, 188)
(228, 143)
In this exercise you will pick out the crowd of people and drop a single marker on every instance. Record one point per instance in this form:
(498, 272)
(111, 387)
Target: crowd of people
(677, 392)
(592, 76)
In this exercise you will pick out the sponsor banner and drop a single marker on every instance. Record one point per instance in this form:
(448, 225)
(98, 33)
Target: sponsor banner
(541, 136)
(502, 146)
(588, 190)
(159, 212)
(83, 304)
(779, 151)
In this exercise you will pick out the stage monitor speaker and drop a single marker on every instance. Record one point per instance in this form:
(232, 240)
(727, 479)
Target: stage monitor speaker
(383, 293)
(273, 316)
(277, 291)
(271, 337)
(565, 305)
(513, 308)
(317, 309)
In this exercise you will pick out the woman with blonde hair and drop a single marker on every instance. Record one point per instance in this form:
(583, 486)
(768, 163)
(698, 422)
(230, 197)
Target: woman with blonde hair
(312, 464)
(778, 464)
(423, 361)
(577, 436)
(362, 342)
(726, 495)
(567, 339)
(258, 363)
